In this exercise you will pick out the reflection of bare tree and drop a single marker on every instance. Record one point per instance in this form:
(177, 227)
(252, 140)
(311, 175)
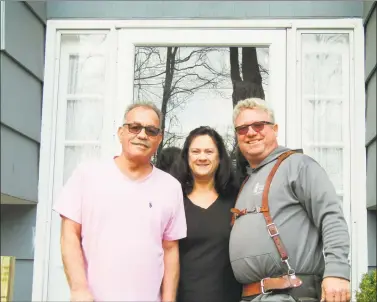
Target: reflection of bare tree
(250, 84)
(169, 76)
(330, 38)
(229, 140)
(180, 72)
(247, 82)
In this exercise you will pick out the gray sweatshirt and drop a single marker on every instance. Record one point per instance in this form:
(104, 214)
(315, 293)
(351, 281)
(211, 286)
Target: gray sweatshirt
(308, 214)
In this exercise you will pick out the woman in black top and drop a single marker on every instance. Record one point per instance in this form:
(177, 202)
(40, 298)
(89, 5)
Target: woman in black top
(205, 172)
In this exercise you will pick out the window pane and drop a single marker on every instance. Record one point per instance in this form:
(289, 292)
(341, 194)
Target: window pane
(323, 120)
(81, 109)
(84, 41)
(331, 159)
(325, 61)
(82, 84)
(198, 86)
(84, 119)
(73, 155)
(86, 63)
(86, 74)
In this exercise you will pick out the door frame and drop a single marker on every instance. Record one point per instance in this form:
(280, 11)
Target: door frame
(357, 207)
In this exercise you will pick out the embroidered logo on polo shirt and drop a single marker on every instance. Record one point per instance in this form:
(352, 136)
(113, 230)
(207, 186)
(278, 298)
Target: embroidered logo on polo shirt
(258, 189)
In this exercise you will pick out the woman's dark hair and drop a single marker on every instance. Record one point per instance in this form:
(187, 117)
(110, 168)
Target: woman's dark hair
(224, 177)
(241, 166)
(167, 158)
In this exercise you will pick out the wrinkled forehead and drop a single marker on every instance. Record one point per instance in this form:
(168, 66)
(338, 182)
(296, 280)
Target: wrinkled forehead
(143, 116)
(248, 116)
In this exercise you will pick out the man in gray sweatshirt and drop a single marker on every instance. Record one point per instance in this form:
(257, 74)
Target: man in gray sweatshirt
(303, 254)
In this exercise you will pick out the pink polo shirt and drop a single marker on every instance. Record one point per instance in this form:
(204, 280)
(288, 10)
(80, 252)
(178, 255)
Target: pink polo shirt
(123, 225)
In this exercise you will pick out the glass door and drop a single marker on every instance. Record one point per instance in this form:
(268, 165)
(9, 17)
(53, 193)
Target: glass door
(197, 76)
(83, 127)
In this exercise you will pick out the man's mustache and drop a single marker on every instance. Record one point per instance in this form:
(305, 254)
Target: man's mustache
(145, 144)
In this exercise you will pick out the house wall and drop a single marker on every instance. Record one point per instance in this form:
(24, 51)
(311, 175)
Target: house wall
(21, 65)
(203, 9)
(17, 236)
(370, 20)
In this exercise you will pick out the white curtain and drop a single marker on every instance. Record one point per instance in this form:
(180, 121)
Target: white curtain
(81, 98)
(325, 61)
(85, 93)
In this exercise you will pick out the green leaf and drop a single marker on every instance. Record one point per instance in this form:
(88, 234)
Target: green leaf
(367, 288)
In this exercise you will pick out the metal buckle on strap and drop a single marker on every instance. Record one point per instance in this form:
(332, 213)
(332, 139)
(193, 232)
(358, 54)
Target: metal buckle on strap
(291, 271)
(273, 231)
(262, 286)
(255, 210)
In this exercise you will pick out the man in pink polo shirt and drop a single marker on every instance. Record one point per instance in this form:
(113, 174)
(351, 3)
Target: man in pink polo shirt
(122, 219)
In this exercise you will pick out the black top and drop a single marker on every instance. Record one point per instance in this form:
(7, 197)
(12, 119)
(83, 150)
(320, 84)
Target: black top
(206, 274)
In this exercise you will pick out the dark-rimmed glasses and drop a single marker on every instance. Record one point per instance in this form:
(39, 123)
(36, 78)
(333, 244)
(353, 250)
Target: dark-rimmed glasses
(136, 128)
(256, 126)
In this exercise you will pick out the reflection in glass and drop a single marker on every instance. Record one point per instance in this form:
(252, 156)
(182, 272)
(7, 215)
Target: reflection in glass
(332, 160)
(81, 97)
(74, 155)
(86, 74)
(325, 75)
(83, 85)
(320, 110)
(84, 119)
(197, 86)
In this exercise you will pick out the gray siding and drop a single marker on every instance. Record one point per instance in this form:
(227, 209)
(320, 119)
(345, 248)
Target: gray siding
(370, 22)
(17, 236)
(372, 224)
(20, 97)
(28, 49)
(370, 16)
(22, 65)
(38, 8)
(370, 91)
(19, 165)
(202, 9)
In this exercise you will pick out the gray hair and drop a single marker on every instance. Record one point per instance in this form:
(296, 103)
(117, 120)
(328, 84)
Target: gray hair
(253, 103)
(144, 104)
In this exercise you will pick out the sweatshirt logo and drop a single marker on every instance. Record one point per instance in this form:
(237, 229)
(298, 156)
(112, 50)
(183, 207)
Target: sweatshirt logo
(258, 189)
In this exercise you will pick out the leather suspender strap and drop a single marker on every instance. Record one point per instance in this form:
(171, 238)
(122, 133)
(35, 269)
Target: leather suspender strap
(235, 211)
(271, 227)
(290, 280)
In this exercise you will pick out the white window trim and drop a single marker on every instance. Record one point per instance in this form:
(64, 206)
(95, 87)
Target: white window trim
(357, 117)
(350, 23)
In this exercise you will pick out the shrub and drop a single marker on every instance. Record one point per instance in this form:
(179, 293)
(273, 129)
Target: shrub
(367, 288)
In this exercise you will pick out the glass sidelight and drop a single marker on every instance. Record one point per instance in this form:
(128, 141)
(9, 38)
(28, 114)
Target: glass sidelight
(81, 128)
(82, 97)
(325, 97)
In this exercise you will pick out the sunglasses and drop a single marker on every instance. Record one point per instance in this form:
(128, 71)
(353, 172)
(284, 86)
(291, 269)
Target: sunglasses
(257, 127)
(136, 128)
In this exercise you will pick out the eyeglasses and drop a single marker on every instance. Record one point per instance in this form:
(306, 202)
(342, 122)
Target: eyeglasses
(256, 126)
(136, 128)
